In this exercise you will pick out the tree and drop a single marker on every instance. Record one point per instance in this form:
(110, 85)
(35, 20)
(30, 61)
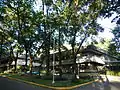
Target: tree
(103, 44)
(75, 19)
(114, 48)
(21, 22)
(81, 22)
(116, 39)
(66, 21)
(111, 7)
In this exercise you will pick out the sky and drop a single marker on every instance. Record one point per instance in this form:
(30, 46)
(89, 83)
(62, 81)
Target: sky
(108, 27)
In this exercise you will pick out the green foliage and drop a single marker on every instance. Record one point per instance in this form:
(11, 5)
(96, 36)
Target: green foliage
(34, 31)
(114, 47)
(116, 33)
(114, 73)
(104, 44)
(28, 25)
(111, 7)
(112, 50)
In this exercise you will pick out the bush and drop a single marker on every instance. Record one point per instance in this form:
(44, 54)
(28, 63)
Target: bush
(118, 73)
(48, 77)
(114, 73)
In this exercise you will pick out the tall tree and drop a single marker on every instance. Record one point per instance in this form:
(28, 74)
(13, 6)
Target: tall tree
(22, 21)
(116, 39)
(111, 7)
(81, 23)
(114, 48)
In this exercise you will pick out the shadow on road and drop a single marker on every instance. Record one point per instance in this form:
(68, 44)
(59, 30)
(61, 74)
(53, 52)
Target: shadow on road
(115, 84)
(102, 84)
(105, 83)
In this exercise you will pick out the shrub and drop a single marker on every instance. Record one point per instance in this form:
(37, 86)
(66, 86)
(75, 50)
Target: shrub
(114, 73)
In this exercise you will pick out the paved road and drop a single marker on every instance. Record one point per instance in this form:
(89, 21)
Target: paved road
(109, 83)
(6, 84)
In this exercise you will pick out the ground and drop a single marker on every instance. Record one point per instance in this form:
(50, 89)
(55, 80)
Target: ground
(6, 84)
(111, 83)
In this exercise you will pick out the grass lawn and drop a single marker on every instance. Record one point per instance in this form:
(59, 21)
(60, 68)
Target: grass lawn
(57, 83)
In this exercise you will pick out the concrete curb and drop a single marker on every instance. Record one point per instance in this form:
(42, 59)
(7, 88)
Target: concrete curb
(51, 87)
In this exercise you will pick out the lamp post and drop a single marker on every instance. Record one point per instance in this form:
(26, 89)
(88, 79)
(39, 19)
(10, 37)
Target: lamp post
(53, 81)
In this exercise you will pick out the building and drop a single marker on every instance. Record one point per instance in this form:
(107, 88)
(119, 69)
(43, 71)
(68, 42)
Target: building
(89, 58)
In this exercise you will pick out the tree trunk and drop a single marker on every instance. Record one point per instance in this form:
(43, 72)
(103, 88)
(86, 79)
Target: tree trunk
(48, 56)
(10, 57)
(75, 56)
(60, 63)
(48, 42)
(31, 63)
(74, 67)
(40, 66)
(73, 52)
(16, 62)
(26, 56)
(1, 46)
